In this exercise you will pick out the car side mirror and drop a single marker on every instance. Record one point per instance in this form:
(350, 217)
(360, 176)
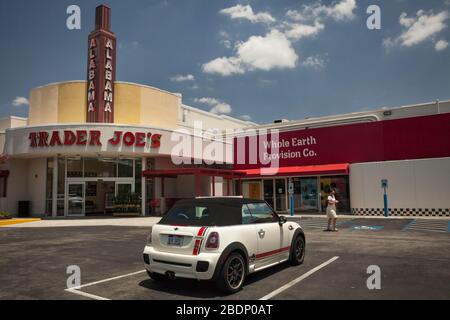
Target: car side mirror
(282, 221)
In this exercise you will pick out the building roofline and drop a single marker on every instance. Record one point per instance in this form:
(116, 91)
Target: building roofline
(346, 116)
(217, 116)
(119, 82)
(14, 117)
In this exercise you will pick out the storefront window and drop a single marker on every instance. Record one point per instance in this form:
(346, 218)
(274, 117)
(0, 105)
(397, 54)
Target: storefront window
(91, 167)
(268, 192)
(61, 187)
(125, 168)
(100, 167)
(150, 163)
(74, 168)
(280, 187)
(138, 176)
(341, 185)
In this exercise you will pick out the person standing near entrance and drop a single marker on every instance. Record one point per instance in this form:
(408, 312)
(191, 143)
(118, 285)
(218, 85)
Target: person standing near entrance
(331, 211)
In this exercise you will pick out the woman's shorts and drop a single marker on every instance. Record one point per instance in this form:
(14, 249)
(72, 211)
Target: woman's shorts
(331, 214)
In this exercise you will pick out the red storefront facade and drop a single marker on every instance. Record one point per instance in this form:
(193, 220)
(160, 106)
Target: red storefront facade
(318, 159)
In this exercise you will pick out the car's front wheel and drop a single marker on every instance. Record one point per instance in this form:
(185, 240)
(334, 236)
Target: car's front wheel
(298, 251)
(232, 276)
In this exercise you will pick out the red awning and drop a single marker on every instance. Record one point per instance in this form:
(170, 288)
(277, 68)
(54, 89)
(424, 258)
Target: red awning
(340, 168)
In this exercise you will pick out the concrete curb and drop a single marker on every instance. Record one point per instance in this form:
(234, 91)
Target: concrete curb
(348, 216)
(8, 222)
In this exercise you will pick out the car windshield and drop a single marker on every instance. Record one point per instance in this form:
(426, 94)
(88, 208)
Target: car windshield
(203, 213)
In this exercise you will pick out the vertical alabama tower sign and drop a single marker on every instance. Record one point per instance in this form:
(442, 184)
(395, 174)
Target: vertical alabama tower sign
(101, 72)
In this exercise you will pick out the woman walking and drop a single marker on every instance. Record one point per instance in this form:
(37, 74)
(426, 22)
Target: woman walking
(331, 211)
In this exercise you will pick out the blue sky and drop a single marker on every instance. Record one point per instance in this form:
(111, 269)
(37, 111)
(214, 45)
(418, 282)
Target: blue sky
(260, 60)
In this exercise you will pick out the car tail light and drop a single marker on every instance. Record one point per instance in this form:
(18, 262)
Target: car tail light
(213, 241)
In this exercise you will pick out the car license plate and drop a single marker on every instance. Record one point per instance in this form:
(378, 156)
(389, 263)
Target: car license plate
(175, 240)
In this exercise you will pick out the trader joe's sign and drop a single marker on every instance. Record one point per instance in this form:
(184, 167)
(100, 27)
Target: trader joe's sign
(44, 139)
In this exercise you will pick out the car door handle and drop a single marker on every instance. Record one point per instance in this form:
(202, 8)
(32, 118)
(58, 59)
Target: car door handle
(261, 233)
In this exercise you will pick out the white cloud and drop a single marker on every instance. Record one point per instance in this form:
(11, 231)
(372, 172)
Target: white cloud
(297, 31)
(338, 11)
(314, 62)
(20, 101)
(246, 12)
(218, 106)
(225, 66)
(181, 78)
(225, 39)
(342, 10)
(272, 51)
(424, 26)
(441, 45)
(245, 117)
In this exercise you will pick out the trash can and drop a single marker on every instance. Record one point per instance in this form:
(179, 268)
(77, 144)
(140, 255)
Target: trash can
(24, 209)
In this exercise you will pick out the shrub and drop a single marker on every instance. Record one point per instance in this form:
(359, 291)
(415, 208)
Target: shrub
(5, 215)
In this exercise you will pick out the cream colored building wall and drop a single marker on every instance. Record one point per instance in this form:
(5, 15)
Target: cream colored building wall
(134, 104)
(44, 105)
(26, 182)
(159, 108)
(416, 184)
(37, 178)
(127, 104)
(72, 104)
(17, 185)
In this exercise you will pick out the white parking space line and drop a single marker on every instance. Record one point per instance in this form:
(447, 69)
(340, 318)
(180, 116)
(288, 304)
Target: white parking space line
(85, 294)
(109, 279)
(295, 281)
(76, 290)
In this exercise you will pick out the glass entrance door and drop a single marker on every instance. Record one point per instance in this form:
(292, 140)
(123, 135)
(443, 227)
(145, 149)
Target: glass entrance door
(308, 194)
(124, 189)
(268, 192)
(280, 195)
(75, 199)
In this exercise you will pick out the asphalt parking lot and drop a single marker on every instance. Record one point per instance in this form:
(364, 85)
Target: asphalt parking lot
(414, 264)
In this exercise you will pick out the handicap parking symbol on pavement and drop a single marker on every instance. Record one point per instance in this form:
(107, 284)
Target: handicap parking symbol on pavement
(371, 228)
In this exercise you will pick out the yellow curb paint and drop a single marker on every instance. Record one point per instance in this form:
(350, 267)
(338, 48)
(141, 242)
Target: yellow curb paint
(8, 222)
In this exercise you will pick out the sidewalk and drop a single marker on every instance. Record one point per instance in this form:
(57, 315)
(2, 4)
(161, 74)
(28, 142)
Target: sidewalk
(350, 216)
(129, 222)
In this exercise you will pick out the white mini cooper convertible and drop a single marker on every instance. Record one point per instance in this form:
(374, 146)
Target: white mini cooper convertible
(221, 239)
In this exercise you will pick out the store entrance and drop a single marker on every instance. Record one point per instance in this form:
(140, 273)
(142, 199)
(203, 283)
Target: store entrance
(90, 197)
(305, 194)
(99, 198)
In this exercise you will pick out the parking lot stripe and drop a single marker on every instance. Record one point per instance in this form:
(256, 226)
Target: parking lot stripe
(106, 280)
(85, 294)
(295, 281)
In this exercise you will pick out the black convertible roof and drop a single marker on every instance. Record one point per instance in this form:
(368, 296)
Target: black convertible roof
(228, 201)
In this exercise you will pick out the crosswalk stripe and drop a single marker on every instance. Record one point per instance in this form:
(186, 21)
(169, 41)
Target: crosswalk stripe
(427, 225)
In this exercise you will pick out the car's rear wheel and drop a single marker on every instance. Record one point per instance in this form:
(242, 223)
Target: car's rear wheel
(232, 276)
(298, 251)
